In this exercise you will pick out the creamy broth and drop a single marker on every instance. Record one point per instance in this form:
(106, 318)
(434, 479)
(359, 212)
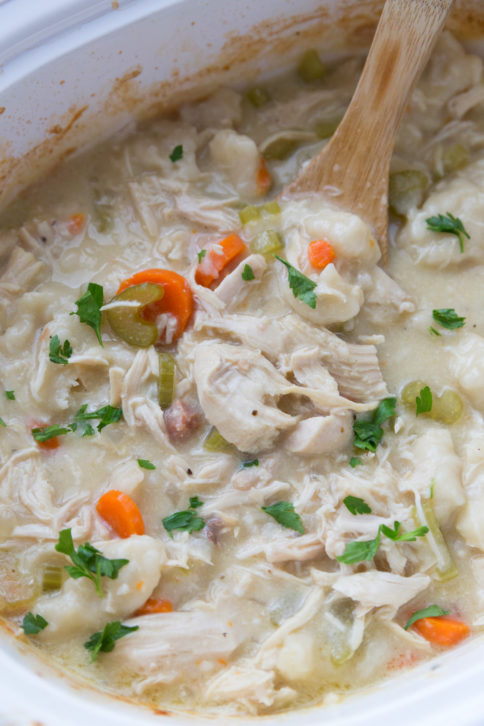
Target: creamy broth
(258, 600)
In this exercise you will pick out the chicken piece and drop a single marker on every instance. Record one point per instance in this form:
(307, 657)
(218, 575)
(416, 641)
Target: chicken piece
(376, 589)
(238, 158)
(233, 289)
(20, 275)
(384, 298)
(284, 549)
(78, 609)
(126, 477)
(354, 367)
(180, 421)
(467, 365)
(222, 109)
(207, 212)
(462, 103)
(297, 658)
(245, 684)
(168, 646)
(321, 434)
(238, 390)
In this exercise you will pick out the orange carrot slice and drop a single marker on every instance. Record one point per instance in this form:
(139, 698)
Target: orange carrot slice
(264, 180)
(155, 605)
(177, 300)
(320, 253)
(442, 630)
(216, 260)
(121, 513)
(76, 223)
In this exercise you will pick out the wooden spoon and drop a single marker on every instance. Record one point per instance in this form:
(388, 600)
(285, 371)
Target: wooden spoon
(353, 167)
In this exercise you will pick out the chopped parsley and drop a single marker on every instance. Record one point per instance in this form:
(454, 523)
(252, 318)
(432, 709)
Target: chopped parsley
(145, 464)
(369, 433)
(177, 153)
(201, 255)
(355, 505)
(248, 464)
(59, 353)
(89, 308)
(105, 640)
(283, 513)
(2, 422)
(10, 395)
(432, 331)
(106, 415)
(88, 561)
(448, 318)
(366, 550)
(44, 433)
(424, 401)
(432, 611)
(355, 461)
(33, 624)
(187, 520)
(448, 224)
(302, 287)
(248, 273)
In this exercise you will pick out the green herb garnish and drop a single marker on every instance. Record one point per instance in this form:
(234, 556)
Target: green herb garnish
(283, 513)
(187, 520)
(448, 318)
(432, 611)
(2, 422)
(88, 561)
(369, 433)
(248, 273)
(424, 401)
(201, 255)
(89, 308)
(33, 624)
(355, 461)
(10, 395)
(432, 331)
(355, 505)
(448, 224)
(177, 153)
(105, 640)
(59, 353)
(367, 549)
(44, 433)
(145, 464)
(106, 415)
(302, 287)
(251, 462)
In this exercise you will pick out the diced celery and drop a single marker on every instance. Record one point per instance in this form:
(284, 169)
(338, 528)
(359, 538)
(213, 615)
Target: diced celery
(17, 592)
(103, 217)
(127, 321)
(447, 407)
(257, 96)
(249, 214)
(341, 618)
(310, 68)
(406, 190)
(166, 379)
(271, 208)
(267, 242)
(325, 129)
(425, 516)
(52, 578)
(454, 158)
(214, 441)
(410, 392)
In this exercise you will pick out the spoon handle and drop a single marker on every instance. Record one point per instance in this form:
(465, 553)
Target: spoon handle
(354, 166)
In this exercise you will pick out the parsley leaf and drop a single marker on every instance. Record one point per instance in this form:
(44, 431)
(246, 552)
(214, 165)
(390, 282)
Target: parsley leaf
(2, 422)
(252, 462)
(367, 549)
(106, 415)
(302, 287)
(369, 433)
(89, 308)
(59, 353)
(283, 513)
(448, 318)
(177, 153)
(33, 624)
(201, 255)
(424, 401)
(88, 561)
(355, 461)
(248, 273)
(105, 640)
(10, 395)
(44, 433)
(355, 505)
(449, 224)
(145, 464)
(432, 331)
(187, 520)
(432, 611)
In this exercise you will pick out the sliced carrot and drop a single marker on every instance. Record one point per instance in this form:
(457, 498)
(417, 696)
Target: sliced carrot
(121, 513)
(442, 630)
(177, 300)
(155, 605)
(52, 443)
(76, 223)
(217, 259)
(320, 253)
(264, 180)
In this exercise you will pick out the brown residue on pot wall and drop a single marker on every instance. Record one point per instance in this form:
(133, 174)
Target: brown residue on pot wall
(60, 129)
